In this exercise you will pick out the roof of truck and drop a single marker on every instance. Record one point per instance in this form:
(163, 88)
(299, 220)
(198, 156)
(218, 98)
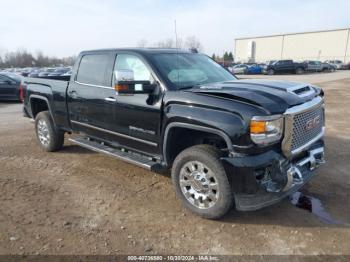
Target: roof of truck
(142, 50)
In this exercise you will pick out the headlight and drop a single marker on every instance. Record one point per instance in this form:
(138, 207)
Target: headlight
(265, 130)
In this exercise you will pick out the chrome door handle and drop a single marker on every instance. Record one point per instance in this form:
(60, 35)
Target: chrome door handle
(110, 99)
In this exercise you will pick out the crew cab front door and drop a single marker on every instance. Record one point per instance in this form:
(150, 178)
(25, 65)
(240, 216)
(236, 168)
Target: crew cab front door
(283, 66)
(132, 121)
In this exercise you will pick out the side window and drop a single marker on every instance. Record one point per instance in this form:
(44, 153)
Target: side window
(132, 62)
(96, 69)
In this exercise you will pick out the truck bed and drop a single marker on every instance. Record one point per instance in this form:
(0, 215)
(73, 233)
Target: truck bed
(54, 92)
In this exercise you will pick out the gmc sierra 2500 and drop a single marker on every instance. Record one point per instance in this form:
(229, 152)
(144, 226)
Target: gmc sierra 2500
(244, 142)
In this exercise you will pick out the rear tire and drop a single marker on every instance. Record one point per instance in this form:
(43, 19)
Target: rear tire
(49, 137)
(201, 183)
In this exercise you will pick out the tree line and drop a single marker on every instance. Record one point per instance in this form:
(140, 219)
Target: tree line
(187, 43)
(23, 58)
(227, 56)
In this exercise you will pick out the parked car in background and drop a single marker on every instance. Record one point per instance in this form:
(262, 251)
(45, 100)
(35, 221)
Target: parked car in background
(326, 67)
(318, 66)
(46, 72)
(337, 63)
(313, 66)
(69, 73)
(284, 66)
(59, 71)
(239, 69)
(10, 87)
(254, 69)
(25, 71)
(35, 73)
(270, 62)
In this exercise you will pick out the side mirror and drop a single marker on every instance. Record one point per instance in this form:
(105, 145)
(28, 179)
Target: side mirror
(124, 84)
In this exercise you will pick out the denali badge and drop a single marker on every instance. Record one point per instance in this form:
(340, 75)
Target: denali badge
(312, 123)
(134, 128)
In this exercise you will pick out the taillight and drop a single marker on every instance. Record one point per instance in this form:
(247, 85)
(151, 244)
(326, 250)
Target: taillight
(21, 93)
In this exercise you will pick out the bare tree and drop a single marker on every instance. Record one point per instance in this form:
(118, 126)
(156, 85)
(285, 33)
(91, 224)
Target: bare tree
(142, 43)
(23, 58)
(193, 42)
(179, 43)
(167, 43)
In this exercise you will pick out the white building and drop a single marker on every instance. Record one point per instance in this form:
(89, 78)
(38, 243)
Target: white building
(317, 45)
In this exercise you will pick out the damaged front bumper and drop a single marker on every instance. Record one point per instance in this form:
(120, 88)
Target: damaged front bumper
(265, 179)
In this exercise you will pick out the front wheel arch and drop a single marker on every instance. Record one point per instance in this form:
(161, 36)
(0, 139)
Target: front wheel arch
(169, 155)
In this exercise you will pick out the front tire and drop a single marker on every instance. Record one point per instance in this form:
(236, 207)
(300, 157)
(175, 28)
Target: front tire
(201, 183)
(49, 137)
(271, 72)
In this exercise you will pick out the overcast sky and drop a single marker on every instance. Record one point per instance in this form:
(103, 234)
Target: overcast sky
(65, 27)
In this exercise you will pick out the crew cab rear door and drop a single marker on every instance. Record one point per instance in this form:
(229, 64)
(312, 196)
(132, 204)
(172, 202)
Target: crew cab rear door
(87, 90)
(132, 121)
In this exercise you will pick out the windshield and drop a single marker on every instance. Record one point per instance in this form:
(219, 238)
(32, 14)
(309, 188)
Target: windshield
(187, 70)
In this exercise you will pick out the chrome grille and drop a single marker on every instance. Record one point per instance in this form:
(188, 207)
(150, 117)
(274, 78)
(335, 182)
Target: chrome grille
(301, 135)
(301, 127)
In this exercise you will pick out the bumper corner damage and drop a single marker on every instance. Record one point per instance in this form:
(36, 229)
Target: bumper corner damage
(274, 176)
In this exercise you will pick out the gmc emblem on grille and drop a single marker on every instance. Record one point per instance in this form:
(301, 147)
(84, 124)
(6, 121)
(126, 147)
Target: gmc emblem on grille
(312, 123)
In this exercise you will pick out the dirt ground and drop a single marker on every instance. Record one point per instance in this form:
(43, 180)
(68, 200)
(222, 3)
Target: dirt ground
(79, 202)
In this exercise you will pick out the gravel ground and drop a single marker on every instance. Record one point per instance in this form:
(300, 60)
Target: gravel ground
(79, 202)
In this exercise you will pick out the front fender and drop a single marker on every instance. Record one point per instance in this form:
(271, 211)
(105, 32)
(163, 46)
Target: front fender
(229, 123)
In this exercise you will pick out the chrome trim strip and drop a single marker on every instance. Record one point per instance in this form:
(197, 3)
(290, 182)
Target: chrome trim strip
(110, 99)
(111, 154)
(106, 87)
(115, 133)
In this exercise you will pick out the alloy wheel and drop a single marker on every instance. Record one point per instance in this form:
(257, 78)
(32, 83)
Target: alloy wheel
(43, 132)
(199, 185)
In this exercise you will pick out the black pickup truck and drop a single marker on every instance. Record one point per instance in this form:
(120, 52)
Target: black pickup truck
(284, 66)
(247, 143)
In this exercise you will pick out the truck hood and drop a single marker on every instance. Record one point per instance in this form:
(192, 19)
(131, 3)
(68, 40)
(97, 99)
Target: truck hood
(274, 96)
